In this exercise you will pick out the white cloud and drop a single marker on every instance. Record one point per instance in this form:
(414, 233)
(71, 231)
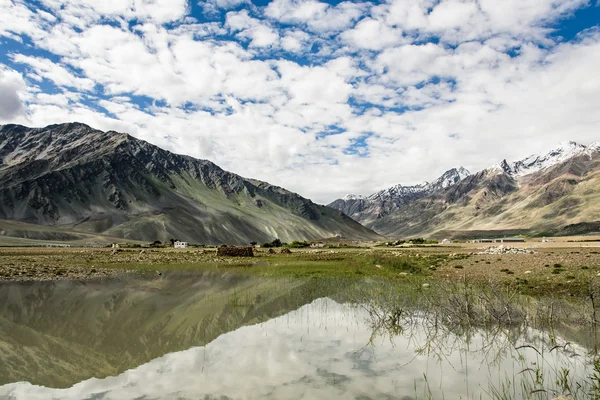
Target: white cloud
(295, 41)
(17, 19)
(461, 20)
(452, 14)
(261, 35)
(83, 12)
(316, 15)
(214, 7)
(54, 72)
(373, 35)
(282, 92)
(11, 83)
(313, 85)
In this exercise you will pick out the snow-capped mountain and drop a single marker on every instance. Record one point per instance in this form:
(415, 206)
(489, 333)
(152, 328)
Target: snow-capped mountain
(554, 191)
(349, 197)
(539, 162)
(387, 201)
(400, 192)
(449, 178)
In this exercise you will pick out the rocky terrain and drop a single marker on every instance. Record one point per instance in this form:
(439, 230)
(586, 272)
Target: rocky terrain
(386, 202)
(79, 179)
(549, 194)
(499, 250)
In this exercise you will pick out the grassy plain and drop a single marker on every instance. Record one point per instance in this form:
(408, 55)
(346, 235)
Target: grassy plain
(564, 268)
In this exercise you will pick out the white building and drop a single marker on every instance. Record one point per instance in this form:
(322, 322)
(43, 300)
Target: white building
(181, 245)
(313, 245)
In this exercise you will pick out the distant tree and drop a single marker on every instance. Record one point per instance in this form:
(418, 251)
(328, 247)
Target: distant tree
(156, 243)
(253, 243)
(298, 245)
(173, 241)
(274, 243)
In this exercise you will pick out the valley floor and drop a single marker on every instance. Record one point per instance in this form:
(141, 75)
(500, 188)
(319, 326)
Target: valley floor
(569, 269)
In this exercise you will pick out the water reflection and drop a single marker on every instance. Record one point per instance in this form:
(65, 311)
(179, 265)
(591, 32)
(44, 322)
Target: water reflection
(56, 334)
(326, 350)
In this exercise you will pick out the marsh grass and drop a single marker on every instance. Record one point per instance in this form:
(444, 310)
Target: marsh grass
(506, 319)
(328, 265)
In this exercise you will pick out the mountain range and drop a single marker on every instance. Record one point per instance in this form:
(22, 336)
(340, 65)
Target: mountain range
(388, 201)
(552, 193)
(72, 182)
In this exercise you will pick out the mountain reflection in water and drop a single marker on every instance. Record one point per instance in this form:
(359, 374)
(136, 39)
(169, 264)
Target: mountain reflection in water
(321, 350)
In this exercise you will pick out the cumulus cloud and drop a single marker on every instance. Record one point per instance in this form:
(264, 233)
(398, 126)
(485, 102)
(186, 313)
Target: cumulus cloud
(214, 7)
(316, 15)
(56, 73)
(11, 83)
(304, 93)
(84, 12)
(261, 35)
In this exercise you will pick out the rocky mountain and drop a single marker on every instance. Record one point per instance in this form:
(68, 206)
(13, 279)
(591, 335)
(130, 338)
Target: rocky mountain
(551, 193)
(72, 176)
(537, 162)
(386, 202)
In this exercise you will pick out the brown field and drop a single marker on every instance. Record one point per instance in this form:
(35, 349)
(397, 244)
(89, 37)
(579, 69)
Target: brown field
(562, 267)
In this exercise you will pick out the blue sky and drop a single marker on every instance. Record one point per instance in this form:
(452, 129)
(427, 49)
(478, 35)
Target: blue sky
(323, 98)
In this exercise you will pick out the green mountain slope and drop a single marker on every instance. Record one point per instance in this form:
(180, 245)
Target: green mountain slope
(72, 176)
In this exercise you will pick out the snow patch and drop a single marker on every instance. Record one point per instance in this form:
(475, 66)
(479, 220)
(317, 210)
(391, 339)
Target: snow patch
(350, 197)
(538, 162)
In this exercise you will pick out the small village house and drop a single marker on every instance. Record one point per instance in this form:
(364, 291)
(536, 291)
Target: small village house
(499, 240)
(180, 245)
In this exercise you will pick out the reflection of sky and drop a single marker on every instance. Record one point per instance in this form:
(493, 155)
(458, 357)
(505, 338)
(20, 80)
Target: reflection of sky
(320, 351)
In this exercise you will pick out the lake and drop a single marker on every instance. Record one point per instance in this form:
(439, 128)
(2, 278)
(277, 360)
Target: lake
(208, 336)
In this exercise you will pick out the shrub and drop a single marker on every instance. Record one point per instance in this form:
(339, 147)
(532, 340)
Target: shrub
(298, 245)
(274, 243)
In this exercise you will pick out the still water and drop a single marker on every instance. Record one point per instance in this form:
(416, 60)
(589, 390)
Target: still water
(228, 337)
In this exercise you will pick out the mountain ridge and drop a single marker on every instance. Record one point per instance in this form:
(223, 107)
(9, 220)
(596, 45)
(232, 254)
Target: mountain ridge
(537, 162)
(542, 193)
(384, 202)
(115, 184)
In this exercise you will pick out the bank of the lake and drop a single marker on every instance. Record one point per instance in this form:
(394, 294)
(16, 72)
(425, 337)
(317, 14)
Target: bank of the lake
(569, 272)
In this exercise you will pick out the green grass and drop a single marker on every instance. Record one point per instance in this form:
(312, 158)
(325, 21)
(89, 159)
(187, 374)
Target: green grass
(330, 265)
(281, 266)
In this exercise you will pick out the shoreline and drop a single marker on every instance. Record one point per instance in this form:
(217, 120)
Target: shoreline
(562, 271)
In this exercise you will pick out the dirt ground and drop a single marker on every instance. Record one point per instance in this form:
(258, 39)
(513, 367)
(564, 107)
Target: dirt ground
(563, 267)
